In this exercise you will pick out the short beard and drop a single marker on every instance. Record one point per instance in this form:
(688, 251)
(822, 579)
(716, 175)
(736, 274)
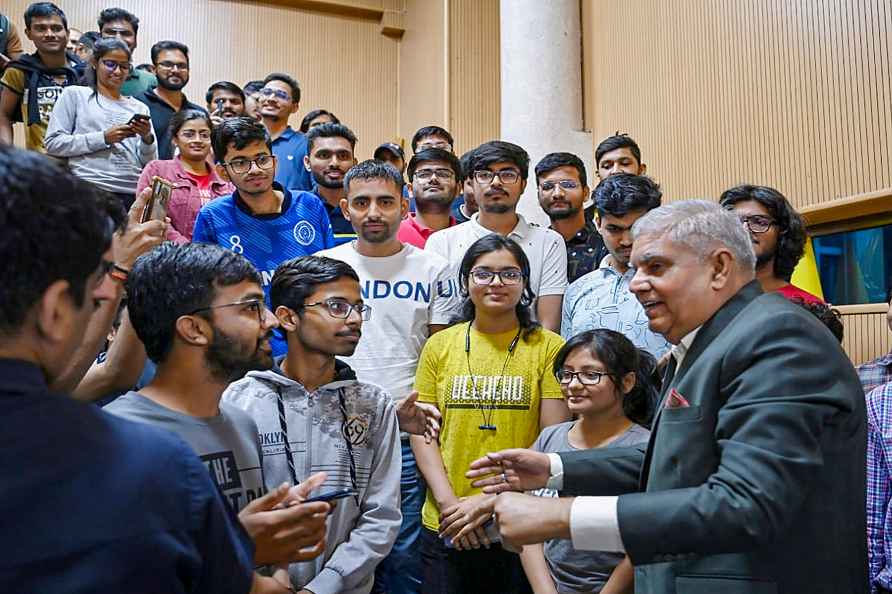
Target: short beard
(321, 181)
(499, 208)
(226, 364)
(169, 87)
(378, 236)
(765, 260)
(428, 205)
(562, 214)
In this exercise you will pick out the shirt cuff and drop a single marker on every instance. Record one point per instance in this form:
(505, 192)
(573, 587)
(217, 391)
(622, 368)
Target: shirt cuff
(555, 472)
(594, 525)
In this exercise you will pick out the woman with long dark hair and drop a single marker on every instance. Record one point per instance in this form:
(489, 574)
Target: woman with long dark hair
(195, 181)
(106, 137)
(490, 376)
(607, 384)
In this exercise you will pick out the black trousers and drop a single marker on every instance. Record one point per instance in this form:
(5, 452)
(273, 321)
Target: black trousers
(481, 571)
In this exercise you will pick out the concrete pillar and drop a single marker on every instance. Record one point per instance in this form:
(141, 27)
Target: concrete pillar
(541, 71)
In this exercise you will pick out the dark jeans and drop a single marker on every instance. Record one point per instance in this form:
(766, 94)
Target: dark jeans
(400, 572)
(481, 571)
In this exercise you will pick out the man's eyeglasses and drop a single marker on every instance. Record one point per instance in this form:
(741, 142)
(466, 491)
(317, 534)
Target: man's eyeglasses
(507, 176)
(566, 184)
(509, 276)
(244, 165)
(255, 306)
(586, 378)
(173, 65)
(277, 93)
(340, 309)
(426, 174)
(757, 223)
(111, 65)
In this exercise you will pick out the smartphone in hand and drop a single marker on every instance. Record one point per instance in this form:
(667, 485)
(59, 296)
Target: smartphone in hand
(141, 118)
(156, 207)
(332, 495)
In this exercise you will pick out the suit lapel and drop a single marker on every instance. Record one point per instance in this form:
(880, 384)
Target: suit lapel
(708, 331)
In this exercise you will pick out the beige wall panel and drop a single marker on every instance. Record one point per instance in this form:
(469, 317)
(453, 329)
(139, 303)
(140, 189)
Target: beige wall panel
(866, 336)
(474, 78)
(718, 92)
(424, 67)
(343, 64)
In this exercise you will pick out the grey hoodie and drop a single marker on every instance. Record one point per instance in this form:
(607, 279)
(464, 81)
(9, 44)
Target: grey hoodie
(357, 537)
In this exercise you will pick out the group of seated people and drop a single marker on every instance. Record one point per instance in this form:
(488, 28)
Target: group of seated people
(308, 325)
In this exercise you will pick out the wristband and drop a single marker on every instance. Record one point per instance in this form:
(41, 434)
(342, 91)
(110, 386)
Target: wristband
(119, 273)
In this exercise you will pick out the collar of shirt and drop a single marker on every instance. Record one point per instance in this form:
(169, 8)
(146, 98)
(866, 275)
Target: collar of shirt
(287, 134)
(21, 377)
(521, 230)
(180, 173)
(681, 349)
(421, 229)
(245, 208)
(582, 236)
(607, 266)
(150, 95)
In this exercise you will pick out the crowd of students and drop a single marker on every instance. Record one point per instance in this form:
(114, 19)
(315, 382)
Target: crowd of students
(306, 324)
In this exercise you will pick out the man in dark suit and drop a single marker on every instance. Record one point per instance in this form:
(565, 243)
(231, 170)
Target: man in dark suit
(754, 479)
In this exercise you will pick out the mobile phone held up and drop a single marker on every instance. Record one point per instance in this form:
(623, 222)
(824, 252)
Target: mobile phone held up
(332, 495)
(156, 207)
(141, 118)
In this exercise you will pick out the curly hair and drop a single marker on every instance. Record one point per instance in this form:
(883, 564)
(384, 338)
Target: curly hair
(791, 226)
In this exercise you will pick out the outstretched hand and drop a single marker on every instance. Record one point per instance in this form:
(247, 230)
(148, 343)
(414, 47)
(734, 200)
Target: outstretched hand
(283, 527)
(138, 238)
(510, 470)
(418, 418)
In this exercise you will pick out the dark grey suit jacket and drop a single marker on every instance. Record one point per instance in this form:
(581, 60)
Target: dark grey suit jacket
(758, 486)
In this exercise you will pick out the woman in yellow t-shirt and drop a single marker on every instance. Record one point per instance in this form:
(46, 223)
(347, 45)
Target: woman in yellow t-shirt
(490, 376)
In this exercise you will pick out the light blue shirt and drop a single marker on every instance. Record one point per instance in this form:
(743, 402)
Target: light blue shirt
(602, 299)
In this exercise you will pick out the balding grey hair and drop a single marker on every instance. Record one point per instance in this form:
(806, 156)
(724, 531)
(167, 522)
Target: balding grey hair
(700, 226)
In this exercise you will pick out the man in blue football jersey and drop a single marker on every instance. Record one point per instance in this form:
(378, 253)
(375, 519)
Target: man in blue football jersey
(265, 222)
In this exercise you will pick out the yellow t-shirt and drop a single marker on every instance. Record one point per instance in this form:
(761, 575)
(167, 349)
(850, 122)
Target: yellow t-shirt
(47, 95)
(443, 378)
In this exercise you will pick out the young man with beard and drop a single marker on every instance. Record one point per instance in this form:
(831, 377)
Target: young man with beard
(262, 220)
(563, 188)
(277, 100)
(119, 23)
(224, 100)
(778, 234)
(329, 157)
(199, 311)
(412, 296)
(313, 414)
(498, 171)
(435, 180)
(171, 60)
(33, 82)
(603, 297)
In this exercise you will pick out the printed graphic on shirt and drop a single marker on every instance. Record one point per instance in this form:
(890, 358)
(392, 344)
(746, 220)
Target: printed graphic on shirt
(490, 391)
(46, 99)
(234, 482)
(406, 289)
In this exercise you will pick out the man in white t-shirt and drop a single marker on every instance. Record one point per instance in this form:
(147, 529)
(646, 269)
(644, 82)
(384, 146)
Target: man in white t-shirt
(498, 174)
(411, 293)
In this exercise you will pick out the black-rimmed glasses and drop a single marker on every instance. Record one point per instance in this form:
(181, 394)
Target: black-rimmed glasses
(255, 306)
(426, 174)
(586, 378)
(506, 176)
(509, 276)
(244, 165)
(757, 223)
(341, 309)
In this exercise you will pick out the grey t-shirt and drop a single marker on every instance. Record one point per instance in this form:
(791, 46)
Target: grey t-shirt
(227, 443)
(579, 572)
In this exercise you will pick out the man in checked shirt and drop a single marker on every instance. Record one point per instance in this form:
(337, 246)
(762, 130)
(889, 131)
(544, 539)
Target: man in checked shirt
(876, 378)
